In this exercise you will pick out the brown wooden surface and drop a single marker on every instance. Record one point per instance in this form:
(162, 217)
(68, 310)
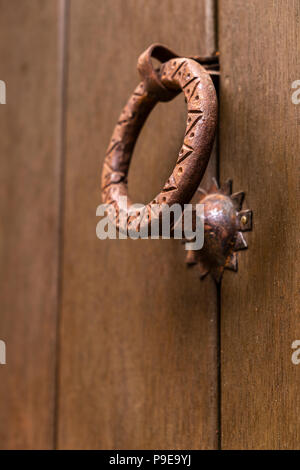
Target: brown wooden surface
(260, 148)
(138, 332)
(29, 208)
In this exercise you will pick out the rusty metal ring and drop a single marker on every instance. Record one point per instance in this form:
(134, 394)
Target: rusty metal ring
(174, 75)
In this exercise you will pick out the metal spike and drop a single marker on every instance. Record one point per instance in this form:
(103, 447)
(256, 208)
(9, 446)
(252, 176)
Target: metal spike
(214, 187)
(227, 187)
(238, 199)
(240, 242)
(203, 271)
(232, 262)
(191, 257)
(202, 191)
(201, 194)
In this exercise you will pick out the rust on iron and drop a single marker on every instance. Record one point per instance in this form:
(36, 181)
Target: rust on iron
(223, 218)
(222, 230)
(175, 74)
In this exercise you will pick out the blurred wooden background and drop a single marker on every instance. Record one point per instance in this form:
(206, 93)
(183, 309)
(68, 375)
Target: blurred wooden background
(117, 344)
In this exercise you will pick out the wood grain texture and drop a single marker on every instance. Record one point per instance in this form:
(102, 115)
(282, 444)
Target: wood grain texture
(29, 209)
(138, 333)
(260, 147)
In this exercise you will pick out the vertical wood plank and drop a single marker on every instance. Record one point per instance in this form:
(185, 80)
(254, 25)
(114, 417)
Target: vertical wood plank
(260, 147)
(138, 336)
(29, 209)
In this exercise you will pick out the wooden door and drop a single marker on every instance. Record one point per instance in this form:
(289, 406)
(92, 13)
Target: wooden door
(31, 63)
(138, 331)
(116, 344)
(260, 148)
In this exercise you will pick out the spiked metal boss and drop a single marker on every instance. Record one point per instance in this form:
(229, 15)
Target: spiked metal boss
(224, 222)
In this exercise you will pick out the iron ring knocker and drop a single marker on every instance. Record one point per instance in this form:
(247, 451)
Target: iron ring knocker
(223, 219)
(175, 75)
